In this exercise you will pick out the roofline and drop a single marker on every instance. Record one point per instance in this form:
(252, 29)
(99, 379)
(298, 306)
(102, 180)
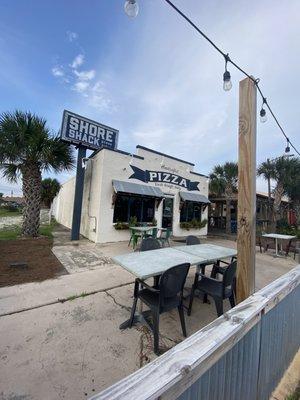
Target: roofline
(163, 154)
(116, 151)
(197, 173)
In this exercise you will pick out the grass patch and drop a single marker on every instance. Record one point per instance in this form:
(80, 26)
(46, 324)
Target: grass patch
(76, 296)
(47, 230)
(10, 232)
(295, 395)
(8, 213)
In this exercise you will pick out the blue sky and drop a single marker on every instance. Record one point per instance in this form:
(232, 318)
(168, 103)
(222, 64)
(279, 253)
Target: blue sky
(153, 78)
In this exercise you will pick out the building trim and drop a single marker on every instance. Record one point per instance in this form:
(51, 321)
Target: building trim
(116, 151)
(163, 154)
(197, 173)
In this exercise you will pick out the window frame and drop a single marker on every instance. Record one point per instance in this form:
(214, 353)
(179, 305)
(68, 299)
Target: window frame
(184, 208)
(132, 197)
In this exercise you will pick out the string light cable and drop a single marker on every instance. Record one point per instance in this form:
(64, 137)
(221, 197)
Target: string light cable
(227, 84)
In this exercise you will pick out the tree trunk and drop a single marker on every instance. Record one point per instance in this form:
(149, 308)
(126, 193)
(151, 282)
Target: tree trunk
(278, 193)
(228, 215)
(31, 176)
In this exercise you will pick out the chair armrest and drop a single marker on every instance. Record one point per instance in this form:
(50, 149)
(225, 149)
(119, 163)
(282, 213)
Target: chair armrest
(144, 284)
(207, 278)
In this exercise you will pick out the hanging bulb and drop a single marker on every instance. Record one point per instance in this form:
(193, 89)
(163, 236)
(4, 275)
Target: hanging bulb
(263, 115)
(287, 149)
(227, 85)
(131, 8)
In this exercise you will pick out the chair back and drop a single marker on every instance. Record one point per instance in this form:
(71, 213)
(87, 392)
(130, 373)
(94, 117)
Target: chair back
(229, 274)
(154, 233)
(149, 244)
(172, 282)
(190, 240)
(168, 233)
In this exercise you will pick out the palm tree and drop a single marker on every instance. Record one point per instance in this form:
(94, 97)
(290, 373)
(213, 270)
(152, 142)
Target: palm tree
(285, 172)
(223, 182)
(50, 188)
(27, 148)
(266, 170)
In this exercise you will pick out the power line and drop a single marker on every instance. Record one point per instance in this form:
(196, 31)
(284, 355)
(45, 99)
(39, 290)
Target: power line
(228, 60)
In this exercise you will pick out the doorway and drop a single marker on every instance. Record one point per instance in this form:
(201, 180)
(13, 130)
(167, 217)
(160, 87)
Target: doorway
(167, 214)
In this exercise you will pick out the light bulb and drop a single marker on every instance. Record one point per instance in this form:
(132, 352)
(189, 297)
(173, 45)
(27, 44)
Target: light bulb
(263, 115)
(287, 149)
(131, 8)
(227, 85)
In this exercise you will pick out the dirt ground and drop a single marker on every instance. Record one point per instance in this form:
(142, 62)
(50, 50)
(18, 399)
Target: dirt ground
(36, 253)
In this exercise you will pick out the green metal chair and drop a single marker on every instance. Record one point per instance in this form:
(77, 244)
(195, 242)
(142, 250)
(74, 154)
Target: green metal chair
(134, 238)
(152, 233)
(165, 237)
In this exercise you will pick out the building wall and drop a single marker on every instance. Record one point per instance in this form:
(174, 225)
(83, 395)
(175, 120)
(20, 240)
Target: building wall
(62, 207)
(98, 209)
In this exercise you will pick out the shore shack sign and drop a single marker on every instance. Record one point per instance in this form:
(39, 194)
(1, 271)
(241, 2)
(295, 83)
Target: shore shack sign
(77, 130)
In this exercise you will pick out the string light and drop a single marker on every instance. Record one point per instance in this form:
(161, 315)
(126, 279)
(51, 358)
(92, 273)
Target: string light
(132, 8)
(227, 85)
(287, 149)
(262, 113)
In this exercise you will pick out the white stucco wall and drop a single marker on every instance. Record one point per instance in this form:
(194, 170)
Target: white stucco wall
(97, 210)
(62, 208)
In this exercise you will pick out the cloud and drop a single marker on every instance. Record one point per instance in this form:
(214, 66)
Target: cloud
(84, 82)
(78, 60)
(57, 71)
(85, 75)
(81, 86)
(71, 36)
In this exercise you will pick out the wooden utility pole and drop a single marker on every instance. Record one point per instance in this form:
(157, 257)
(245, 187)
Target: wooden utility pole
(246, 236)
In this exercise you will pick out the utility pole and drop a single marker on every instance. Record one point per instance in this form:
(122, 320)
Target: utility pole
(246, 236)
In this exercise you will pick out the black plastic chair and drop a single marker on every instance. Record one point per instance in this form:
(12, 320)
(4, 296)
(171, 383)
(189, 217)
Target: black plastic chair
(219, 290)
(149, 244)
(191, 240)
(165, 297)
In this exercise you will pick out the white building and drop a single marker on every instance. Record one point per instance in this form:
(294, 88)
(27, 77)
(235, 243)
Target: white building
(148, 185)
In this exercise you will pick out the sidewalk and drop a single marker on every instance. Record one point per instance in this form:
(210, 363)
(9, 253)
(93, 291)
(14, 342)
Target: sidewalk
(14, 299)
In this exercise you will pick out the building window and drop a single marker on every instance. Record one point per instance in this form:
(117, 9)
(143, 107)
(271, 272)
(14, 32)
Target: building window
(129, 206)
(189, 211)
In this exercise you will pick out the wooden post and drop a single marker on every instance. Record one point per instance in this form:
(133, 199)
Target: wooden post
(246, 236)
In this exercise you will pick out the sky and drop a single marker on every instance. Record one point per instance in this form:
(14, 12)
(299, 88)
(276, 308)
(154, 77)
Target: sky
(153, 77)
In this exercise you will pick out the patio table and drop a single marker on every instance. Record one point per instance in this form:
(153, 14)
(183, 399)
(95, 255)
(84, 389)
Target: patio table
(278, 236)
(208, 252)
(153, 263)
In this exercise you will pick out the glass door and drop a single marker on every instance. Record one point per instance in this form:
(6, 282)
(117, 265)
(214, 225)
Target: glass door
(167, 214)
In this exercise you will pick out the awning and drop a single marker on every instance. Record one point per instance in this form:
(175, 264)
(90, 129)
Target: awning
(196, 197)
(135, 188)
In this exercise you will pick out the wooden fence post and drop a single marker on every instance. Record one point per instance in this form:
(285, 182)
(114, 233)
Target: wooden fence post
(246, 233)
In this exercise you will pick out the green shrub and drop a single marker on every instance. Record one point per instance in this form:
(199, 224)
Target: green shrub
(121, 226)
(133, 221)
(194, 224)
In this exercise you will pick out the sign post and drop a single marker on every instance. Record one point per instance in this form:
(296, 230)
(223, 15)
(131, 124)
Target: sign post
(75, 231)
(85, 134)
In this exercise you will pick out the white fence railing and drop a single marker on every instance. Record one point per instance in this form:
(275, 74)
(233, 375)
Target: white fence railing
(241, 355)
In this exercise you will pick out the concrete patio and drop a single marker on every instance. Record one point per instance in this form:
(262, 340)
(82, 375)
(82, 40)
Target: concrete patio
(60, 339)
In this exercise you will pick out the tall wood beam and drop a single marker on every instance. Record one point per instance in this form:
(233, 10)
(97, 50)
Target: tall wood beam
(246, 235)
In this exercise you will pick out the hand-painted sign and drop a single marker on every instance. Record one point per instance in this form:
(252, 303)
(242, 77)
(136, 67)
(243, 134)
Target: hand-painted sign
(161, 176)
(77, 130)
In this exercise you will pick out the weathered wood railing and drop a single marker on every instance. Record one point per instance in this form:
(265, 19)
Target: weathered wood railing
(241, 355)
